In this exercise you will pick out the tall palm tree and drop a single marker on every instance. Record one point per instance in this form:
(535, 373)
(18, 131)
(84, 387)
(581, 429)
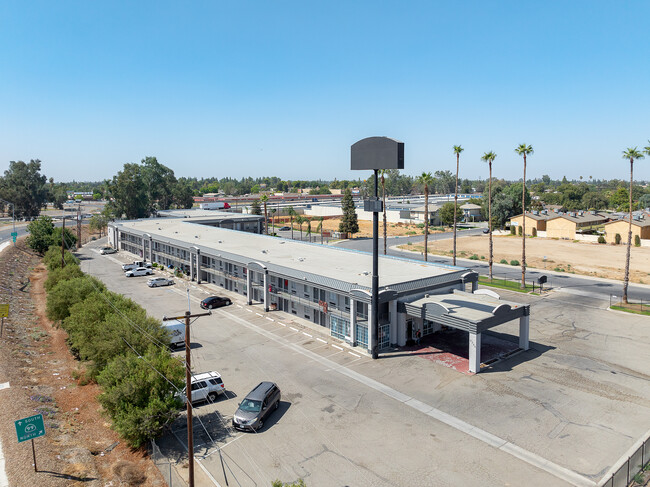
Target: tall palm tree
(308, 220)
(523, 150)
(292, 214)
(319, 228)
(300, 220)
(382, 173)
(457, 150)
(265, 199)
(489, 158)
(426, 180)
(631, 153)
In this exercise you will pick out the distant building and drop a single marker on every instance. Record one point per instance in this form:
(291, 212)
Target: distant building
(471, 212)
(567, 225)
(640, 227)
(534, 219)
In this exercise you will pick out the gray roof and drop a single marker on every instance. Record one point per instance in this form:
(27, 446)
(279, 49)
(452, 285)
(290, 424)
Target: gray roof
(466, 311)
(207, 214)
(329, 266)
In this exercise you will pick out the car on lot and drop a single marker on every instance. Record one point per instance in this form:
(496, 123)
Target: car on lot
(486, 230)
(256, 407)
(135, 265)
(159, 281)
(107, 250)
(140, 271)
(205, 387)
(215, 302)
(284, 229)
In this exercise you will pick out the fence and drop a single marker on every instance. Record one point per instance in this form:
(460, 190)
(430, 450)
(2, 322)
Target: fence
(632, 304)
(166, 467)
(632, 468)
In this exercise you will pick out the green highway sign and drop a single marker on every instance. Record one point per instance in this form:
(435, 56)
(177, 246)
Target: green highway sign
(14, 234)
(30, 428)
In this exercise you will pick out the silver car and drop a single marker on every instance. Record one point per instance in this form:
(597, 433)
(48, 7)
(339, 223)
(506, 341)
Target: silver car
(107, 250)
(159, 281)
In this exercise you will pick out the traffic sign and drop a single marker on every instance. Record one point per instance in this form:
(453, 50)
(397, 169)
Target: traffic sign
(30, 428)
(4, 310)
(14, 234)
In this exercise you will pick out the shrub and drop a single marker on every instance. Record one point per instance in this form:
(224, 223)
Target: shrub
(66, 293)
(514, 262)
(482, 257)
(601, 240)
(534, 232)
(519, 231)
(62, 274)
(617, 238)
(139, 401)
(503, 261)
(52, 258)
(637, 241)
(512, 230)
(474, 257)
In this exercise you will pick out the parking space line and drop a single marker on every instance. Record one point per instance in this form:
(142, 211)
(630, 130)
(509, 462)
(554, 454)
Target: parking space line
(352, 353)
(259, 314)
(270, 319)
(305, 333)
(280, 323)
(249, 310)
(320, 340)
(239, 306)
(336, 346)
(294, 329)
(452, 421)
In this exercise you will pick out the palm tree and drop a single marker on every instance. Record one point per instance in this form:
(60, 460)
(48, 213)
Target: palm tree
(300, 220)
(292, 214)
(308, 220)
(489, 158)
(523, 150)
(426, 180)
(319, 228)
(631, 153)
(382, 173)
(457, 150)
(264, 198)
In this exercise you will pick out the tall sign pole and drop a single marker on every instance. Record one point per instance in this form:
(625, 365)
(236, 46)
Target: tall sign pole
(188, 388)
(374, 153)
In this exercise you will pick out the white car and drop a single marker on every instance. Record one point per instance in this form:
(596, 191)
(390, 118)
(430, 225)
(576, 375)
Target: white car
(205, 387)
(107, 250)
(135, 265)
(159, 281)
(140, 271)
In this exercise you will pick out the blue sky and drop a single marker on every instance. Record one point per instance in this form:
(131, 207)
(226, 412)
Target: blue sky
(257, 88)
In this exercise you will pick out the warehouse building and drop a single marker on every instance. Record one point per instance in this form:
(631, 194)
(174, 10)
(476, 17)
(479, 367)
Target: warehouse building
(328, 286)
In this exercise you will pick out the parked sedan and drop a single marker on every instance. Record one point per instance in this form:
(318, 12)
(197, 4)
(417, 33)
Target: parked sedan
(159, 281)
(107, 250)
(284, 229)
(215, 302)
(139, 271)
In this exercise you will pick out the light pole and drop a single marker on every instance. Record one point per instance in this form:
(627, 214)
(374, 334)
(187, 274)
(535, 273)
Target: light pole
(13, 217)
(374, 153)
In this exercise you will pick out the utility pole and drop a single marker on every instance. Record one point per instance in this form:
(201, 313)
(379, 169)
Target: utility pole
(188, 387)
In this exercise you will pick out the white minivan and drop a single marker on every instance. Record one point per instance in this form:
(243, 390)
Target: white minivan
(176, 332)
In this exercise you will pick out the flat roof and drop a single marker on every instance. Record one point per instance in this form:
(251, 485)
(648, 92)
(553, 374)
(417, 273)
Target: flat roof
(205, 214)
(330, 262)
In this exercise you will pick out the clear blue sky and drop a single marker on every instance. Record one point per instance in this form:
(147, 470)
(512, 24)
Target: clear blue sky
(255, 88)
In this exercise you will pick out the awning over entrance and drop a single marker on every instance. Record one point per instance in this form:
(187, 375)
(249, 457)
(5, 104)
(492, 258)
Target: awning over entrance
(473, 313)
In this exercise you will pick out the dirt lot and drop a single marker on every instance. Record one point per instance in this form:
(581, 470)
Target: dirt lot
(79, 447)
(365, 227)
(561, 255)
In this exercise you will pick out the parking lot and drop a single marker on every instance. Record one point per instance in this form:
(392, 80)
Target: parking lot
(559, 414)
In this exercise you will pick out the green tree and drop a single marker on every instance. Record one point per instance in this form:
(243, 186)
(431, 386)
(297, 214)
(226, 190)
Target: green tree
(129, 193)
(489, 158)
(631, 153)
(443, 182)
(40, 234)
(138, 393)
(457, 150)
(183, 194)
(425, 180)
(160, 182)
(59, 274)
(319, 228)
(300, 220)
(523, 150)
(349, 222)
(98, 222)
(292, 215)
(297, 483)
(256, 209)
(25, 187)
(593, 200)
(447, 213)
(66, 293)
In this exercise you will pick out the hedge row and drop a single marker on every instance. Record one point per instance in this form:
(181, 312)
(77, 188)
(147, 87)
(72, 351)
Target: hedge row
(121, 348)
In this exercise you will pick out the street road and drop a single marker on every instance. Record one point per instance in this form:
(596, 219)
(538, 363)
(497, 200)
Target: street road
(568, 283)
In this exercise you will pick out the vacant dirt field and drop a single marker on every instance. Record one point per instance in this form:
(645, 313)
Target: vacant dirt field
(561, 255)
(365, 227)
